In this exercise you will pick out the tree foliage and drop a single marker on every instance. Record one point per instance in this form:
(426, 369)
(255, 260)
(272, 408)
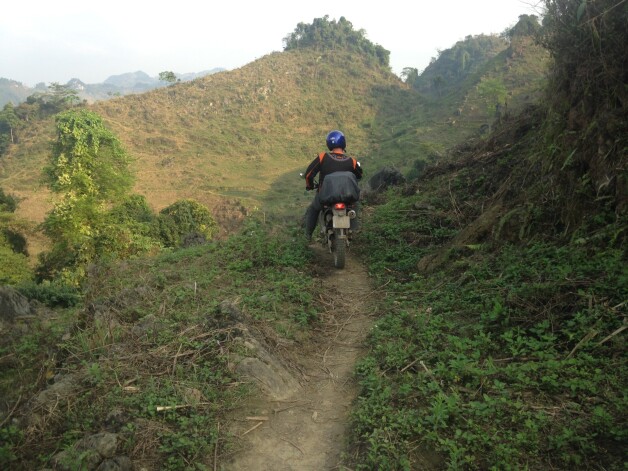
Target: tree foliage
(324, 34)
(14, 267)
(87, 159)
(458, 62)
(493, 92)
(88, 171)
(167, 76)
(528, 25)
(8, 123)
(56, 99)
(410, 75)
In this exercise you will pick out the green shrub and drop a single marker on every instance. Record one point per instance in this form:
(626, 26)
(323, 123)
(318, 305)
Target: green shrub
(14, 267)
(51, 293)
(183, 218)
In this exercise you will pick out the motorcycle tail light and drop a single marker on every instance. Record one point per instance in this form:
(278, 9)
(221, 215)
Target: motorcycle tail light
(339, 206)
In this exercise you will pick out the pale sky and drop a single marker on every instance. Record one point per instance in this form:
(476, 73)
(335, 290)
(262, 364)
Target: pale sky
(48, 41)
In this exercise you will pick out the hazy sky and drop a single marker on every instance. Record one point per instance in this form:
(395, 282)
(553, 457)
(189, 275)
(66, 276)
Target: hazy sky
(48, 41)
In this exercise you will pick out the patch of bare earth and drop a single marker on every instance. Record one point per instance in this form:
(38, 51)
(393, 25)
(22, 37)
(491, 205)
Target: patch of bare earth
(304, 427)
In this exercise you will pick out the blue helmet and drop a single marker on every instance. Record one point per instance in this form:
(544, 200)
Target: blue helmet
(336, 139)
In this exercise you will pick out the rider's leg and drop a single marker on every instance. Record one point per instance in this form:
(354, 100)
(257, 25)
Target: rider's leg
(311, 217)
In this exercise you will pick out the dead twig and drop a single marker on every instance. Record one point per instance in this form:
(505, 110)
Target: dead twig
(408, 366)
(290, 442)
(181, 406)
(216, 447)
(584, 340)
(17, 403)
(298, 404)
(252, 428)
(174, 364)
(621, 329)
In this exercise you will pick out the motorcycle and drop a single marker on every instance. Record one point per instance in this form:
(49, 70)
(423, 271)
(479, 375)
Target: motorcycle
(338, 209)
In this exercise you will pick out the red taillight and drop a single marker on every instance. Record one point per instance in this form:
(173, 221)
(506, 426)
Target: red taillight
(339, 206)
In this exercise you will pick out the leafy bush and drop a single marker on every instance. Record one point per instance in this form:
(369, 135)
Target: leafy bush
(51, 293)
(134, 208)
(8, 203)
(14, 267)
(182, 218)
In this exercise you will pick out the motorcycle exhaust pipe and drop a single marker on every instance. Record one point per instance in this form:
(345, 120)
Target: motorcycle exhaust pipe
(351, 214)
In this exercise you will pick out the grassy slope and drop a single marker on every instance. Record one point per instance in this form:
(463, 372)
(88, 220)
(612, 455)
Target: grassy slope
(502, 346)
(198, 139)
(152, 333)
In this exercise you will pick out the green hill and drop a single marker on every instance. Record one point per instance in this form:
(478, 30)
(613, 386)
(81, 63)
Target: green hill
(244, 135)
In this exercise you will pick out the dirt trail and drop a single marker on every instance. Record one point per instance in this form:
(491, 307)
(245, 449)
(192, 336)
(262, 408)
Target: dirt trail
(307, 430)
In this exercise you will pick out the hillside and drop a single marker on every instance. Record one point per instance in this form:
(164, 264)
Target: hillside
(242, 136)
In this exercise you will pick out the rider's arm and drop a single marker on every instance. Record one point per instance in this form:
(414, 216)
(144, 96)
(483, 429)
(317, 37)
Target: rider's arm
(312, 171)
(357, 169)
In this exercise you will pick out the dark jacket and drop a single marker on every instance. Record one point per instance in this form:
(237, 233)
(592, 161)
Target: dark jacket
(330, 162)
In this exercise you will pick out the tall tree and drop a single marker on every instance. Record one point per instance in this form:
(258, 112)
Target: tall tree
(8, 122)
(88, 171)
(410, 75)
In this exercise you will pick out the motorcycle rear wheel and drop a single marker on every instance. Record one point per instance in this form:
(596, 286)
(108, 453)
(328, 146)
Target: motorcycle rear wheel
(339, 251)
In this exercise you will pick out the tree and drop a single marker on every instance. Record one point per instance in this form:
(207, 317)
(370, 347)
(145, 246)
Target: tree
(493, 92)
(528, 25)
(88, 171)
(324, 34)
(410, 75)
(54, 100)
(8, 122)
(168, 76)
(87, 159)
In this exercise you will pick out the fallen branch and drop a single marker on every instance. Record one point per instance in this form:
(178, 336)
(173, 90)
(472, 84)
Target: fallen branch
(182, 406)
(621, 329)
(216, 448)
(17, 403)
(584, 340)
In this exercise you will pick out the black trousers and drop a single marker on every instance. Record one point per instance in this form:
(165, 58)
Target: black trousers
(311, 215)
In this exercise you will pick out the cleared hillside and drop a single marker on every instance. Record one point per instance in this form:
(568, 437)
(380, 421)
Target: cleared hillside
(234, 135)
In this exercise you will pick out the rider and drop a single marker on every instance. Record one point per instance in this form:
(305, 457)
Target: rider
(325, 163)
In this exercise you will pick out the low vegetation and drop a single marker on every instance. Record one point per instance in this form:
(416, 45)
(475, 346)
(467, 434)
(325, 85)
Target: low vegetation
(146, 352)
(505, 281)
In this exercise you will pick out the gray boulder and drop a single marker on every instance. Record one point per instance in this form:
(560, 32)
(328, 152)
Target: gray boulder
(12, 304)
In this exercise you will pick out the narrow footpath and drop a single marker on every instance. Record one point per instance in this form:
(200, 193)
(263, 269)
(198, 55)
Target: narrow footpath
(307, 429)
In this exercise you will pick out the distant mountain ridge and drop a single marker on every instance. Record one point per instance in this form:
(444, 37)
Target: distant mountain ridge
(115, 85)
